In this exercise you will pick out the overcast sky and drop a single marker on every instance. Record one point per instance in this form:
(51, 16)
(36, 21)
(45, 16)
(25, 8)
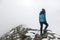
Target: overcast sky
(16, 12)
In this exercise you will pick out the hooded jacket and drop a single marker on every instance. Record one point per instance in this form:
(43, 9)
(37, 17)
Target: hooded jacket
(42, 16)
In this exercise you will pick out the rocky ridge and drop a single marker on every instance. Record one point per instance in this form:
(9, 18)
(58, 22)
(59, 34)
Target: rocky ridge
(21, 33)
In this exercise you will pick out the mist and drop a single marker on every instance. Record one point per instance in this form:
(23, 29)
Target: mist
(16, 12)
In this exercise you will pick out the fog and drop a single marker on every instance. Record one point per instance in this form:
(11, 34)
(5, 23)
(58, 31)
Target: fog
(16, 12)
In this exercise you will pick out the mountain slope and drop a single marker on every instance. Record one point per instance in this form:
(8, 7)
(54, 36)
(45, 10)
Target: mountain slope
(22, 33)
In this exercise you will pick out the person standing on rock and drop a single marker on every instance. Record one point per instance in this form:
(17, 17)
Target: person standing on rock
(42, 20)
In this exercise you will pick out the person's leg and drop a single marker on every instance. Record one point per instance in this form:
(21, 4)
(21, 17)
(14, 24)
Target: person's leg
(41, 27)
(45, 27)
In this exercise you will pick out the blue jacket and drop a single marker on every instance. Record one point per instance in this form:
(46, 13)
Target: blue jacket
(42, 17)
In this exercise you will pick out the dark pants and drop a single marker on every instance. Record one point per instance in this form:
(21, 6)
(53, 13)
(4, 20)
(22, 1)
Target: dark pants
(41, 28)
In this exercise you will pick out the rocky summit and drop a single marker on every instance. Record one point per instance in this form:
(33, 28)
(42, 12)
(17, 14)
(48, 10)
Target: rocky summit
(22, 33)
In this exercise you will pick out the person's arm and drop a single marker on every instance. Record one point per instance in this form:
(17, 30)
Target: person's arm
(45, 17)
